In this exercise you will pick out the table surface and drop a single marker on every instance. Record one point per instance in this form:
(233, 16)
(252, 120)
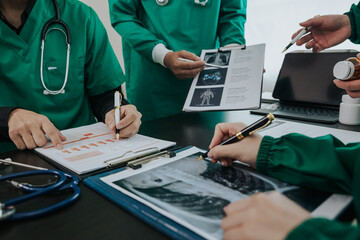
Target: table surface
(93, 216)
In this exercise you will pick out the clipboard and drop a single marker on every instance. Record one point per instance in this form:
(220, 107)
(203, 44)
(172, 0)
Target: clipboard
(134, 162)
(309, 199)
(92, 149)
(231, 80)
(163, 224)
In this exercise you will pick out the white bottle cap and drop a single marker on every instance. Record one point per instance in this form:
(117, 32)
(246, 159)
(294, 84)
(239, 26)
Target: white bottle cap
(347, 99)
(343, 70)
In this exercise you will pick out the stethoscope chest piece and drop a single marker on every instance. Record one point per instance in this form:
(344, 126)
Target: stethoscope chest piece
(6, 213)
(201, 2)
(162, 2)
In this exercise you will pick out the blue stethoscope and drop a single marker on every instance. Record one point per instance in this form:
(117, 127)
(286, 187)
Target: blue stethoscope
(44, 33)
(63, 182)
(165, 2)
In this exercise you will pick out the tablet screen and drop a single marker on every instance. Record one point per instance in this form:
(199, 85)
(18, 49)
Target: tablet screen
(308, 78)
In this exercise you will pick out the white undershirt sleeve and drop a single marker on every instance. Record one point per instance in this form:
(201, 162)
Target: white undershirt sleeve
(159, 52)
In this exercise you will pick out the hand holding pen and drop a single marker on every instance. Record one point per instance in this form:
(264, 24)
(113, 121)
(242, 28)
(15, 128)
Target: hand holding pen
(322, 32)
(247, 142)
(184, 69)
(123, 120)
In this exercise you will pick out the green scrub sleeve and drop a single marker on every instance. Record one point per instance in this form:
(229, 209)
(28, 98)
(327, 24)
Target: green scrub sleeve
(320, 228)
(231, 22)
(102, 69)
(322, 163)
(354, 16)
(124, 18)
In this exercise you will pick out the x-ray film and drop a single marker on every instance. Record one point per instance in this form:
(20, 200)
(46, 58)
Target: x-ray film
(194, 193)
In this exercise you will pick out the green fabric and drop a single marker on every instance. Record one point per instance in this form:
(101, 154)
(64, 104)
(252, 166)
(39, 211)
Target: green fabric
(93, 69)
(180, 25)
(323, 229)
(322, 163)
(354, 16)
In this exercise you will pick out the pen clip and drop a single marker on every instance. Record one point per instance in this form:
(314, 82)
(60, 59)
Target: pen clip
(270, 117)
(120, 101)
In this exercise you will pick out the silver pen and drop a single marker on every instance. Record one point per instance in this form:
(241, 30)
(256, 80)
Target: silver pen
(297, 37)
(300, 34)
(206, 64)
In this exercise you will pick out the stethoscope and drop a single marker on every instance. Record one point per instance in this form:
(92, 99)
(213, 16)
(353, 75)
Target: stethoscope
(165, 2)
(63, 182)
(44, 33)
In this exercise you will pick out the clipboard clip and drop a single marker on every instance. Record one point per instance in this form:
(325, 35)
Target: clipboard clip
(138, 158)
(224, 49)
(138, 163)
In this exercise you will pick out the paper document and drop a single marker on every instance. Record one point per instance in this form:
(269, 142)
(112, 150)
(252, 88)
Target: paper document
(93, 147)
(235, 84)
(280, 128)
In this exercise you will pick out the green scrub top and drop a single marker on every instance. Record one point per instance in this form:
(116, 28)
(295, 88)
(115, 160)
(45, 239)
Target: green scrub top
(180, 25)
(94, 68)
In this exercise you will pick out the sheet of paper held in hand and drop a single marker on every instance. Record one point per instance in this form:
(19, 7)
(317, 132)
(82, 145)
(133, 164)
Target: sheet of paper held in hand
(280, 128)
(235, 84)
(88, 148)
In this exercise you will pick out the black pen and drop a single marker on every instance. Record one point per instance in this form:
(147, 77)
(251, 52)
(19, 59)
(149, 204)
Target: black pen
(247, 131)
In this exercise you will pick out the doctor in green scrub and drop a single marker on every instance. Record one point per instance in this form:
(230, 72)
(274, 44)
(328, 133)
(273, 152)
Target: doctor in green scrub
(156, 33)
(41, 94)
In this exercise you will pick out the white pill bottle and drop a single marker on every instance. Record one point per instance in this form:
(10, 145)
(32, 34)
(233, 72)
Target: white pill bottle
(349, 69)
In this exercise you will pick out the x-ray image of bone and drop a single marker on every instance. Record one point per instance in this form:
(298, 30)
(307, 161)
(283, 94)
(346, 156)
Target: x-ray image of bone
(218, 58)
(206, 96)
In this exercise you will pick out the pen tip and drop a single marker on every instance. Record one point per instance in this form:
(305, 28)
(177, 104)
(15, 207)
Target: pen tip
(283, 50)
(117, 136)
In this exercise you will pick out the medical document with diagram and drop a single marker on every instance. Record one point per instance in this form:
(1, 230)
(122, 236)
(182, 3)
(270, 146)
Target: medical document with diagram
(231, 80)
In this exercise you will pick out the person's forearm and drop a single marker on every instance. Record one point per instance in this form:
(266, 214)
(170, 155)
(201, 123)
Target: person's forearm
(103, 103)
(231, 22)
(4, 118)
(354, 16)
(124, 18)
(322, 163)
(320, 228)
(138, 38)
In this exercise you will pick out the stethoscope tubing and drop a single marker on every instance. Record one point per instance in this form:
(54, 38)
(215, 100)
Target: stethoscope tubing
(56, 187)
(59, 183)
(46, 29)
(32, 188)
(50, 209)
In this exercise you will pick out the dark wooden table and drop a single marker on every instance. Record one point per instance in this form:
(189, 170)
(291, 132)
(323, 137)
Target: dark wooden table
(94, 217)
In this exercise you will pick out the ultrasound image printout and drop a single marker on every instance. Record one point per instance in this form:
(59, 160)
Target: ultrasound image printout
(197, 191)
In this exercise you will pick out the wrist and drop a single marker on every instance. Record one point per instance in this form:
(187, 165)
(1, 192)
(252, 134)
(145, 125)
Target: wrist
(12, 113)
(167, 59)
(348, 25)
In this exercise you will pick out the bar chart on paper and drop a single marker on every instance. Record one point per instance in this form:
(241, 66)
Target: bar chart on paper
(88, 148)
